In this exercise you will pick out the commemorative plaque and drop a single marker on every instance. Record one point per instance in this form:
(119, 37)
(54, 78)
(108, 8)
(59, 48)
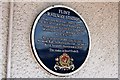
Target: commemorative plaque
(60, 40)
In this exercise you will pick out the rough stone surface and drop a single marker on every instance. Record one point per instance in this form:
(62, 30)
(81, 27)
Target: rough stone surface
(3, 36)
(102, 21)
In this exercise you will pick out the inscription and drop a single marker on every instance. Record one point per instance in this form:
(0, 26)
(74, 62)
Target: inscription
(62, 27)
(64, 12)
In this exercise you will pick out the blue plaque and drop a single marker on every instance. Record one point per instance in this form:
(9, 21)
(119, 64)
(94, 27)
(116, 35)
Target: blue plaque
(60, 40)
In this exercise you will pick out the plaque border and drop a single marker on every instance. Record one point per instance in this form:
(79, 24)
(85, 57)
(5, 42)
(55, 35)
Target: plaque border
(33, 46)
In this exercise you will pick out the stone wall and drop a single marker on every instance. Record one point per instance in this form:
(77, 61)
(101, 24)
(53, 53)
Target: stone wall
(102, 21)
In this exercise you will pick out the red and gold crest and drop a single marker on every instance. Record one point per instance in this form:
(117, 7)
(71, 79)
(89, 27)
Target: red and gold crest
(64, 62)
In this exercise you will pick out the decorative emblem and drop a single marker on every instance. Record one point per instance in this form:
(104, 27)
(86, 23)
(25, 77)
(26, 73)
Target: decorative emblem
(64, 62)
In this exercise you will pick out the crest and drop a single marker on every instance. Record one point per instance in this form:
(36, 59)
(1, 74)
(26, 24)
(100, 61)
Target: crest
(64, 62)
